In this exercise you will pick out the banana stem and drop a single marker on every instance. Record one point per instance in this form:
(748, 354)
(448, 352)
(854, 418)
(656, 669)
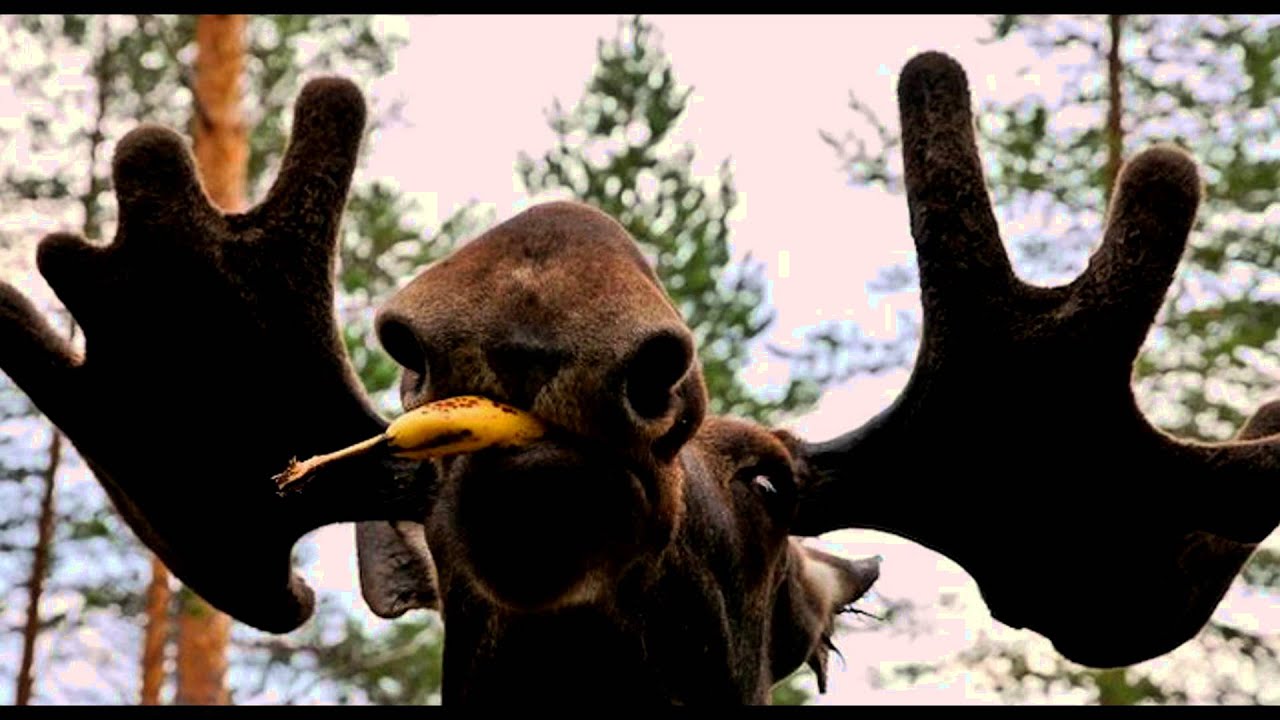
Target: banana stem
(298, 471)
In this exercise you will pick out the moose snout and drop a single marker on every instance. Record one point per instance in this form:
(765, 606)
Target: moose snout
(622, 394)
(524, 368)
(556, 312)
(618, 382)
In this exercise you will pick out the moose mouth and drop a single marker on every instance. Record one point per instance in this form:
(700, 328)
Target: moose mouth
(548, 460)
(540, 516)
(537, 522)
(560, 474)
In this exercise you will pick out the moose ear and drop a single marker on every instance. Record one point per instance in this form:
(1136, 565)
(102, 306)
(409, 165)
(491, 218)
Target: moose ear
(819, 586)
(397, 573)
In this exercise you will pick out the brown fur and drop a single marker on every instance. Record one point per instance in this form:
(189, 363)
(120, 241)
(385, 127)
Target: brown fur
(634, 546)
(727, 607)
(612, 518)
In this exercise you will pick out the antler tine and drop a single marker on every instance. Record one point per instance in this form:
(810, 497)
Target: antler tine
(963, 266)
(37, 358)
(76, 270)
(159, 194)
(965, 275)
(310, 191)
(1151, 213)
(156, 181)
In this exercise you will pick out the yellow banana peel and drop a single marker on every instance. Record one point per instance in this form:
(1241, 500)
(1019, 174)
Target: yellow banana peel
(452, 426)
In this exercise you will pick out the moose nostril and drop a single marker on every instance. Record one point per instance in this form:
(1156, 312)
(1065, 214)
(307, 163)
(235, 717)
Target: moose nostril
(401, 343)
(654, 369)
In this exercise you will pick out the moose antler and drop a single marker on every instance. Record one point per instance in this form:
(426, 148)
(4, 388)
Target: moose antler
(1032, 466)
(212, 358)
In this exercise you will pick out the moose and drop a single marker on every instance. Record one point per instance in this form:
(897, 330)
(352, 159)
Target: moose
(653, 549)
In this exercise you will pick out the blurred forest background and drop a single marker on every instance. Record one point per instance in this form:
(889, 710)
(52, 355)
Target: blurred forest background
(87, 616)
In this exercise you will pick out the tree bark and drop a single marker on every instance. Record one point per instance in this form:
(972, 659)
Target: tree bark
(39, 568)
(222, 153)
(156, 635)
(203, 635)
(1115, 109)
(221, 140)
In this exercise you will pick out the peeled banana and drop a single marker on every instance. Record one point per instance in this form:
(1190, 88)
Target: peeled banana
(451, 426)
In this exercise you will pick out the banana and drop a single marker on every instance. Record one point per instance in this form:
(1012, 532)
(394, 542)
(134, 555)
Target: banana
(460, 425)
(451, 426)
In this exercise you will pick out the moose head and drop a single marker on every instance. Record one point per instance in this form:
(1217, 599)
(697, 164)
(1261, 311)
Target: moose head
(652, 548)
(641, 534)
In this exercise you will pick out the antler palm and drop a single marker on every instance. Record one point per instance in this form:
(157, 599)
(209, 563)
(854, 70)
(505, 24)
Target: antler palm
(1040, 474)
(212, 357)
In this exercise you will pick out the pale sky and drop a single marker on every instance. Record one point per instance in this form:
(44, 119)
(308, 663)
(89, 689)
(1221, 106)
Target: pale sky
(475, 89)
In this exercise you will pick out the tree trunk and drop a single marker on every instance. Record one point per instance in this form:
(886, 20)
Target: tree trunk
(222, 153)
(156, 635)
(1115, 109)
(203, 634)
(39, 568)
(221, 141)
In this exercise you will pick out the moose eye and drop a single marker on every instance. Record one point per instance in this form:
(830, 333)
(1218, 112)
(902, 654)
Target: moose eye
(772, 481)
(764, 484)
